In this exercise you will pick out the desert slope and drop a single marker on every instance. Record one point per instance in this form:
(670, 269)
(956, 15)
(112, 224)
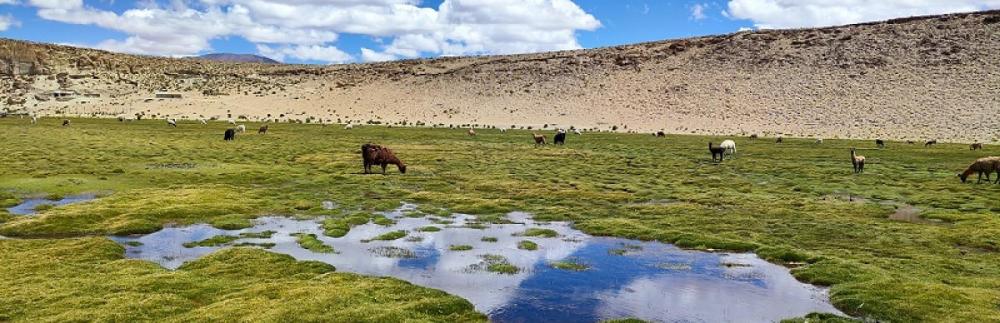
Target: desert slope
(915, 78)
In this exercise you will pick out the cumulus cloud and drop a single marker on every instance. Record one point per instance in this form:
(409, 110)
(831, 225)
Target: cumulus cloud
(7, 21)
(308, 29)
(321, 53)
(770, 14)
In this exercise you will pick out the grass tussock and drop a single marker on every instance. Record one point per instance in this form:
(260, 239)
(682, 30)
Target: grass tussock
(234, 284)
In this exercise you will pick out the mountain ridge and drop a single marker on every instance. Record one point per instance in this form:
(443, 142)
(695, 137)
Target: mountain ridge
(929, 77)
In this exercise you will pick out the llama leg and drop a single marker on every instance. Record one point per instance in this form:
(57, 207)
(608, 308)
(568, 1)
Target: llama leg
(383, 168)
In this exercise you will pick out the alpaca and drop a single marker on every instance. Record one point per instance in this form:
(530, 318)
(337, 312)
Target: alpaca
(539, 139)
(753, 137)
(819, 141)
(560, 138)
(577, 132)
(858, 161)
(232, 121)
(203, 121)
(65, 122)
(879, 143)
(172, 122)
(779, 140)
(34, 119)
(121, 118)
(372, 154)
(661, 133)
(241, 128)
(730, 147)
(911, 142)
(503, 130)
(262, 130)
(472, 133)
(230, 135)
(976, 146)
(930, 143)
(985, 165)
(349, 126)
(717, 151)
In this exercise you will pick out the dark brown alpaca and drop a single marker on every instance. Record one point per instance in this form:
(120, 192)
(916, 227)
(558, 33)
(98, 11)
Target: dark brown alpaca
(539, 139)
(717, 151)
(930, 143)
(263, 130)
(976, 146)
(372, 154)
(65, 122)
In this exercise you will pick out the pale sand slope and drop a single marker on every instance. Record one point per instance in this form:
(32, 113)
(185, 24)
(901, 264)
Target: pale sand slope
(925, 78)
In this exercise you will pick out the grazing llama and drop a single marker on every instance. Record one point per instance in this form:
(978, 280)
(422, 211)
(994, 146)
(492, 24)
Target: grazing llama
(172, 122)
(729, 146)
(819, 141)
(372, 154)
(717, 151)
(930, 143)
(858, 161)
(985, 165)
(560, 138)
(976, 146)
(779, 140)
(472, 132)
(65, 122)
(879, 143)
(539, 139)
(661, 133)
(230, 135)
(753, 137)
(263, 130)
(349, 126)
(577, 132)
(241, 128)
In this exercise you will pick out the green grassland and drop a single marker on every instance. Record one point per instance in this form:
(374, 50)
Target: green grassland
(796, 203)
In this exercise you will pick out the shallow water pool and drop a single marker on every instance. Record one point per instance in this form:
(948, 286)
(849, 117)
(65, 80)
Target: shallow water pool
(597, 279)
(27, 206)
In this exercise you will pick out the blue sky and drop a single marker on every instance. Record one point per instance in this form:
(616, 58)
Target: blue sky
(341, 31)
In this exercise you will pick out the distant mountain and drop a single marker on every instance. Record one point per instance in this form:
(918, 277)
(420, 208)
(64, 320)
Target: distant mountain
(238, 58)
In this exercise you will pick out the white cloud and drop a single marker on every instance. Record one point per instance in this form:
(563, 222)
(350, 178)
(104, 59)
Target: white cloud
(815, 13)
(698, 11)
(328, 54)
(308, 28)
(369, 55)
(8, 2)
(7, 21)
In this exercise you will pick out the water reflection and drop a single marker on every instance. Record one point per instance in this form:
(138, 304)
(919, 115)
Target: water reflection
(28, 206)
(626, 278)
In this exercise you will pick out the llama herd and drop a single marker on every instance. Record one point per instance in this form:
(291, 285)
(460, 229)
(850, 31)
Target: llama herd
(375, 155)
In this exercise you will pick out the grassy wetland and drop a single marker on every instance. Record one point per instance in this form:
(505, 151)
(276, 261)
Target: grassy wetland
(796, 203)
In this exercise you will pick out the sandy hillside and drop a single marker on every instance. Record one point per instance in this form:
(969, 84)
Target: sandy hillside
(916, 78)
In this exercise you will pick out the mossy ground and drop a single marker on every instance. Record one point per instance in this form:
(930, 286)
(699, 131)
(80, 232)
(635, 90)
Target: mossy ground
(795, 202)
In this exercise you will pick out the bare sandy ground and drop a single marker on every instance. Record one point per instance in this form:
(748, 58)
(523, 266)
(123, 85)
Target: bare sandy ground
(924, 78)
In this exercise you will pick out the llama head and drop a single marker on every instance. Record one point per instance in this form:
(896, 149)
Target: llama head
(963, 176)
(402, 168)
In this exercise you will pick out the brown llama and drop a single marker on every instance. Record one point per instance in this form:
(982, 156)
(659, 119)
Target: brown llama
(472, 132)
(930, 143)
(539, 139)
(985, 165)
(858, 161)
(717, 151)
(372, 154)
(753, 137)
(263, 130)
(976, 146)
(661, 133)
(65, 122)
